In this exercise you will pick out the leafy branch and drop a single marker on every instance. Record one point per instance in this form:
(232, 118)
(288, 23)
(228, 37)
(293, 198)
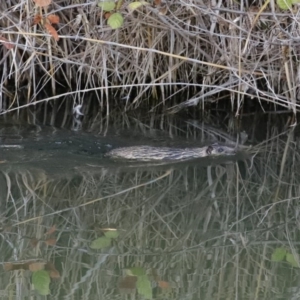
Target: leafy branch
(111, 11)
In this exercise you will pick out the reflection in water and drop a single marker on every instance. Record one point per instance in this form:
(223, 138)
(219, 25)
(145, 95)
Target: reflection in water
(197, 230)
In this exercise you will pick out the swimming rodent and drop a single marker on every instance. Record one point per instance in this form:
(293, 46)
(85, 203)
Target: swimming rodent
(149, 153)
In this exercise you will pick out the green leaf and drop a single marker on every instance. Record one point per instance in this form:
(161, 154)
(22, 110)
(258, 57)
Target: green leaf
(295, 1)
(107, 5)
(284, 4)
(278, 254)
(100, 243)
(115, 21)
(144, 288)
(119, 4)
(111, 234)
(41, 281)
(136, 4)
(291, 260)
(136, 271)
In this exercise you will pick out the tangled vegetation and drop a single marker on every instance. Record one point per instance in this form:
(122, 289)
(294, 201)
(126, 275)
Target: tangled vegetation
(130, 51)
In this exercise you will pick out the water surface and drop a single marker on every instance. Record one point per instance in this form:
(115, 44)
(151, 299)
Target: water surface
(81, 226)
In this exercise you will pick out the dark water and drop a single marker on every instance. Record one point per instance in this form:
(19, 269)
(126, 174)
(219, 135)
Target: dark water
(77, 225)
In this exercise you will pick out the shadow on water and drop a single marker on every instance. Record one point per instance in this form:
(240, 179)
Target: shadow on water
(78, 225)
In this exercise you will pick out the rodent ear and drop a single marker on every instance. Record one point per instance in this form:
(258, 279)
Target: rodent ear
(209, 149)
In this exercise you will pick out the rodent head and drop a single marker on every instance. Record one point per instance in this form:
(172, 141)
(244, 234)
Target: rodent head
(216, 149)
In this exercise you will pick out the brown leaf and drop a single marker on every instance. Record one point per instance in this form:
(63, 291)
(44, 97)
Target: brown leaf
(52, 31)
(52, 270)
(50, 266)
(157, 2)
(34, 242)
(128, 283)
(163, 284)
(36, 266)
(54, 274)
(53, 19)
(51, 230)
(42, 3)
(107, 15)
(163, 10)
(11, 267)
(37, 19)
(6, 43)
(8, 266)
(50, 242)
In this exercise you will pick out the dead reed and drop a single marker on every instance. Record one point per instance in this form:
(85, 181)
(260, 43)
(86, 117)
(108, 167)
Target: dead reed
(207, 52)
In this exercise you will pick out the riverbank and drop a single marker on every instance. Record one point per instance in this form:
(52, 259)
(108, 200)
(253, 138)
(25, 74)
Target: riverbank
(222, 53)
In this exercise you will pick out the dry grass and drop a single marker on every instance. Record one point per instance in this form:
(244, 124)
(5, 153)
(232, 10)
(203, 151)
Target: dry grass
(204, 53)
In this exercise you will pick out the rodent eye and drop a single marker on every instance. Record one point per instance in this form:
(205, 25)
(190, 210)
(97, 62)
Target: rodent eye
(220, 150)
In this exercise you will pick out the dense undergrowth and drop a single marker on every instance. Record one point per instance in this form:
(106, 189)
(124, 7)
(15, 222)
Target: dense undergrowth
(219, 51)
